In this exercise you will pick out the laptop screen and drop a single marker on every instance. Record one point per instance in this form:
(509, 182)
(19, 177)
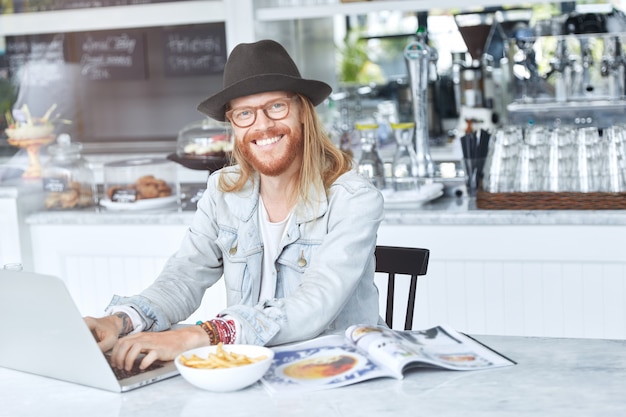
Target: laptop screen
(49, 336)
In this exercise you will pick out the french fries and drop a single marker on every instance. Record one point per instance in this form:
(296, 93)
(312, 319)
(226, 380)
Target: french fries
(219, 360)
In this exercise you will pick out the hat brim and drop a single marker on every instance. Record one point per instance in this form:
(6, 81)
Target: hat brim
(215, 106)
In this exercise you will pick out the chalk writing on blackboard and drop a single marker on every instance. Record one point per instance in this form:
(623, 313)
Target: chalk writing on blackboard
(112, 56)
(25, 6)
(38, 60)
(197, 50)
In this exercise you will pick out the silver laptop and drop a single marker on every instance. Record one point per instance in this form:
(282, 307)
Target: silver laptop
(43, 333)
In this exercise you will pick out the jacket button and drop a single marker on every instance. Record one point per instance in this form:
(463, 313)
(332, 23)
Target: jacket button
(302, 261)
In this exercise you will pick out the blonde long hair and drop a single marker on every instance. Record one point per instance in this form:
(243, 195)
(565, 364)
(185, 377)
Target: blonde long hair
(322, 161)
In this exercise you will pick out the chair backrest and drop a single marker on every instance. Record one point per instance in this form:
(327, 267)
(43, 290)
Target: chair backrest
(411, 262)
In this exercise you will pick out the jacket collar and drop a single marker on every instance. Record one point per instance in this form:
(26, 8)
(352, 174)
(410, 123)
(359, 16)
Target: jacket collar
(244, 203)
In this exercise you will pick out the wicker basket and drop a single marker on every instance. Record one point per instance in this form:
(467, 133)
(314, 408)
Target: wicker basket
(539, 200)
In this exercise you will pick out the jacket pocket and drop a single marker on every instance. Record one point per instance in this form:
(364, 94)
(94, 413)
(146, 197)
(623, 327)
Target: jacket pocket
(296, 257)
(233, 259)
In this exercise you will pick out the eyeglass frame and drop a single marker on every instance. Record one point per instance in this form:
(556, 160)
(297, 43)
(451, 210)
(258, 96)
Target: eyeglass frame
(264, 107)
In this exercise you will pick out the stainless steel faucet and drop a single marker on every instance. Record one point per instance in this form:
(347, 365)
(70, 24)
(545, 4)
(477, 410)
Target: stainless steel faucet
(612, 66)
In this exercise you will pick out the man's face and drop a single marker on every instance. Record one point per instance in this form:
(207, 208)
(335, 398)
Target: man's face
(270, 146)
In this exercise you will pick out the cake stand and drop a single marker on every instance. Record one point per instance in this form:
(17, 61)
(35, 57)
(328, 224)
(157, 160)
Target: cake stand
(33, 147)
(209, 164)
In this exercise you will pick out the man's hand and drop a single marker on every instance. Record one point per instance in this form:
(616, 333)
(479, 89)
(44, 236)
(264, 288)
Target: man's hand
(156, 345)
(108, 329)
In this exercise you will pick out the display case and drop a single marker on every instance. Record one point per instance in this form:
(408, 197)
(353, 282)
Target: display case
(142, 183)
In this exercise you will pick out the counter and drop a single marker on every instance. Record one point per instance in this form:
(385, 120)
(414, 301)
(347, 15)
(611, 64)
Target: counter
(442, 211)
(553, 377)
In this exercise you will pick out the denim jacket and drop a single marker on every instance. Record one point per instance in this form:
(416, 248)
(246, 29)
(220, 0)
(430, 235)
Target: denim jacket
(325, 265)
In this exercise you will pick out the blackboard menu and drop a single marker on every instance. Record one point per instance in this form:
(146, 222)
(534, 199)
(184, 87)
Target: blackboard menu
(112, 55)
(195, 50)
(24, 6)
(40, 59)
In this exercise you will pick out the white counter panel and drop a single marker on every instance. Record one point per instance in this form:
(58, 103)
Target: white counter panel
(97, 261)
(559, 281)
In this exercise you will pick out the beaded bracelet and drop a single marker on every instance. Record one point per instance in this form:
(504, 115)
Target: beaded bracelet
(219, 330)
(225, 329)
(210, 330)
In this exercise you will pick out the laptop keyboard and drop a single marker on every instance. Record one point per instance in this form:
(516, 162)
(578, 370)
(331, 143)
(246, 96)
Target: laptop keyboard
(123, 373)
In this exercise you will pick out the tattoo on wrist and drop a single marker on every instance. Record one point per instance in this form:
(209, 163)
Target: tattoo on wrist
(127, 324)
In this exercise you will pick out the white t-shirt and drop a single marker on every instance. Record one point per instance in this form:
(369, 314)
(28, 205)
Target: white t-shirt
(271, 235)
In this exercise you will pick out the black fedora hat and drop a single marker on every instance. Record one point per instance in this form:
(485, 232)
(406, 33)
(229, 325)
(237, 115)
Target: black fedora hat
(260, 67)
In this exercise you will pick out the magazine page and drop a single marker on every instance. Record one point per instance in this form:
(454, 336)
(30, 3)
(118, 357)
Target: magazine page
(321, 363)
(439, 346)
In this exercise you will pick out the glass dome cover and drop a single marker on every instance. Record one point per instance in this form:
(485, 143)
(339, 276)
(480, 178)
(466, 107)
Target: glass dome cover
(68, 179)
(204, 139)
(140, 184)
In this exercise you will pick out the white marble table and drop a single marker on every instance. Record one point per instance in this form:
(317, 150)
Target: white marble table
(553, 377)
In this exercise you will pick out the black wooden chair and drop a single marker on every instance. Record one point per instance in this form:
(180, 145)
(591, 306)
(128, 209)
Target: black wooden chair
(394, 260)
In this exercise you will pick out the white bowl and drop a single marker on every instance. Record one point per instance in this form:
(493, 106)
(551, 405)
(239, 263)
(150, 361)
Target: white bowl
(226, 379)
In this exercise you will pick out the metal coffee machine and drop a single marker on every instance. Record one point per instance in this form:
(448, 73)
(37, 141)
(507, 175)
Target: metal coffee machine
(483, 74)
(569, 70)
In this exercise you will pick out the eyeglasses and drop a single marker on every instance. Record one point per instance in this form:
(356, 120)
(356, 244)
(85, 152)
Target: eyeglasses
(246, 116)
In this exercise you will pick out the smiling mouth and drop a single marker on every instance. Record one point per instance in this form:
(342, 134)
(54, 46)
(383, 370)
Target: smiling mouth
(267, 141)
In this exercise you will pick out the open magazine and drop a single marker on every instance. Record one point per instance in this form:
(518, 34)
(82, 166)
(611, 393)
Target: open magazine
(367, 352)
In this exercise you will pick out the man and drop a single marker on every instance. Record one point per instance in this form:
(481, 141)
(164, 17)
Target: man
(291, 228)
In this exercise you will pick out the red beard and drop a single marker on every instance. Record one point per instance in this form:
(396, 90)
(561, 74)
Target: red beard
(281, 159)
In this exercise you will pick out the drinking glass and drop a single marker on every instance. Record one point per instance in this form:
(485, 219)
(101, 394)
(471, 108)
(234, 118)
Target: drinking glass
(561, 155)
(404, 168)
(502, 159)
(536, 146)
(615, 142)
(14, 266)
(588, 163)
(370, 163)
(472, 180)
(526, 168)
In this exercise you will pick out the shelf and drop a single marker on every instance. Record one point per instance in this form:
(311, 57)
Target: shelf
(116, 17)
(268, 14)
